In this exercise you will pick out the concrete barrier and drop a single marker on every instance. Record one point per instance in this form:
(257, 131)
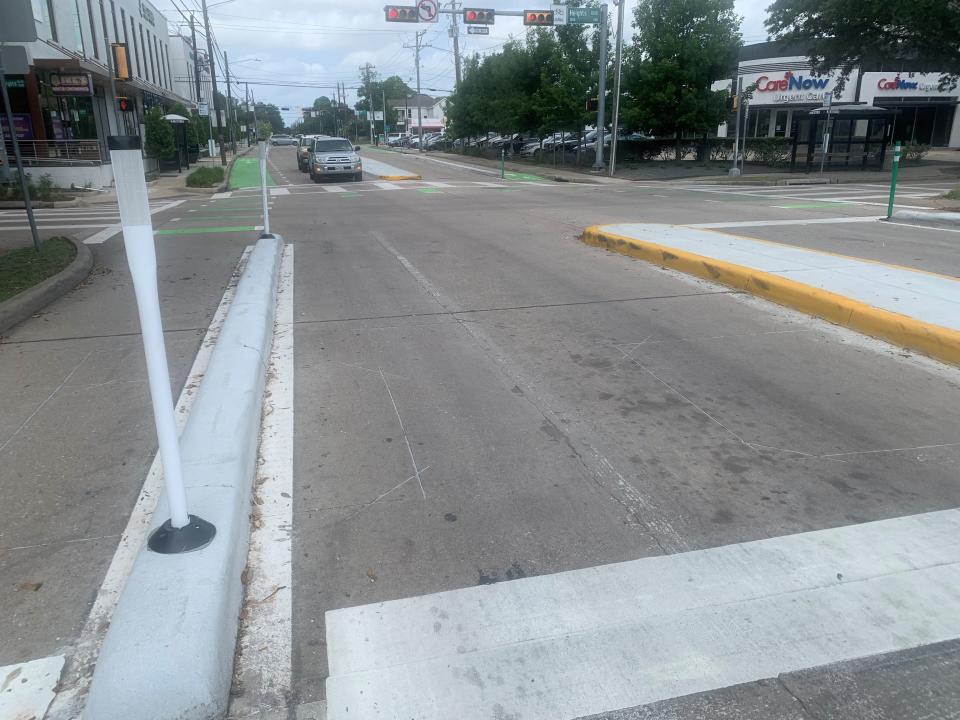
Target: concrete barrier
(169, 652)
(945, 220)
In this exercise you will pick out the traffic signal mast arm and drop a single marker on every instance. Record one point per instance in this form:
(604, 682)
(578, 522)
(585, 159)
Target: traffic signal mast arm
(408, 13)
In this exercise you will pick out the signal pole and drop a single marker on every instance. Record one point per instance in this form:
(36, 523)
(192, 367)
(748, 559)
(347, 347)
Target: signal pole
(196, 59)
(367, 71)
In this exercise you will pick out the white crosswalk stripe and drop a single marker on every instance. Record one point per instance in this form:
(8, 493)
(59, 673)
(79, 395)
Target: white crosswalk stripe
(333, 189)
(106, 217)
(387, 185)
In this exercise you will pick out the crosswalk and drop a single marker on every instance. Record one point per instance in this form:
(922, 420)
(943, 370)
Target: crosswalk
(104, 219)
(388, 186)
(798, 196)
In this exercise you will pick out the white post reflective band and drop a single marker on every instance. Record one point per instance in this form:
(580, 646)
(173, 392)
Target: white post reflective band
(263, 187)
(142, 258)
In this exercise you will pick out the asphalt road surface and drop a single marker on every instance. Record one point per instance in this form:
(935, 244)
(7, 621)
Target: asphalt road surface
(481, 398)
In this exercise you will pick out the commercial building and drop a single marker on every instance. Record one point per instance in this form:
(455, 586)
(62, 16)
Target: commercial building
(65, 106)
(787, 90)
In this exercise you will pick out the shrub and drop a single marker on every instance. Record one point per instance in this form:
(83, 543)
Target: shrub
(159, 135)
(205, 177)
(773, 152)
(915, 153)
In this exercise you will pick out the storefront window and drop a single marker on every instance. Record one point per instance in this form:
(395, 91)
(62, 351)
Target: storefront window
(780, 124)
(67, 118)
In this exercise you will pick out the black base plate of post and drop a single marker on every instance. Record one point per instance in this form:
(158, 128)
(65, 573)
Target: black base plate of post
(168, 540)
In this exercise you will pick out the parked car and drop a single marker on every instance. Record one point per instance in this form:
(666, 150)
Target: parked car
(282, 140)
(335, 158)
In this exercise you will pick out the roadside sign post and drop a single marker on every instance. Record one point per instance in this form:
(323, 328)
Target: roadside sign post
(503, 160)
(895, 169)
(825, 146)
(182, 532)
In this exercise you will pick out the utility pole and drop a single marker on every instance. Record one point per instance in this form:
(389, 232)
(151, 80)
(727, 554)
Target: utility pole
(231, 110)
(419, 109)
(602, 94)
(455, 34)
(196, 59)
(383, 92)
(367, 71)
(616, 90)
(256, 126)
(213, 82)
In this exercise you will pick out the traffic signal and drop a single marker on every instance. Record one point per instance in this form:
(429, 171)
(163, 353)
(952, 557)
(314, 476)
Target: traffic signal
(124, 104)
(478, 16)
(593, 104)
(401, 13)
(538, 17)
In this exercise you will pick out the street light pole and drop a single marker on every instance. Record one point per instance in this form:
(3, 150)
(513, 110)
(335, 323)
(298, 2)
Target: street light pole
(616, 91)
(213, 82)
(602, 94)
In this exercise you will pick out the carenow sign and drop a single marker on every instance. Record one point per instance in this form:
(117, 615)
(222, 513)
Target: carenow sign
(791, 87)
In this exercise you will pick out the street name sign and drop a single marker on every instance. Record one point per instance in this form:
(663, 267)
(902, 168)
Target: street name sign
(583, 16)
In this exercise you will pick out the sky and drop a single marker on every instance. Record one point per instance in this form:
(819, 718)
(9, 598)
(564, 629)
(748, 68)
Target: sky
(323, 42)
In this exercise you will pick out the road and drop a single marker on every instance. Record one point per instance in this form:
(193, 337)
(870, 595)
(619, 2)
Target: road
(481, 398)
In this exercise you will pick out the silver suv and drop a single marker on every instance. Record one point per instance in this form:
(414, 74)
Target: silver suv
(335, 157)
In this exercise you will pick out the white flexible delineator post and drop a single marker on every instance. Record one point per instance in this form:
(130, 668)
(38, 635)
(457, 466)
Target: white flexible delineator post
(141, 252)
(264, 146)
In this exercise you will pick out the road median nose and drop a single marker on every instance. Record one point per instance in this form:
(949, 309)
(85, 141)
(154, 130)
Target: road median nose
(383, 171)
(907, 307)
(169, 652)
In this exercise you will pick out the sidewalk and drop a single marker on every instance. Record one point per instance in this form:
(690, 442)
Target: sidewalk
(910, 308)
(942, 165)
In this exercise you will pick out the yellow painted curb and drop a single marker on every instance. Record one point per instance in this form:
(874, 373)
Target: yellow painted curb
(933, 340)
(399, 177)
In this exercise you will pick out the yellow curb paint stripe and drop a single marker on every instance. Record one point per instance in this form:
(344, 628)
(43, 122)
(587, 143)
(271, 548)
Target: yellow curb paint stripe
(399, 177)
(933, 340)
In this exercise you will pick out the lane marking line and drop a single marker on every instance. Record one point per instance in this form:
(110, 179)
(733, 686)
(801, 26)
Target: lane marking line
(279, 190)
(387, 186)
(109, 232)
(264, 666)
(332, 189)
(81, 660)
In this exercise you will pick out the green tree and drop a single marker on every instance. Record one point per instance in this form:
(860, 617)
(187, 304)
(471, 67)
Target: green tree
(271, 114)
(159, 135)
(922, 35)
(680, 48)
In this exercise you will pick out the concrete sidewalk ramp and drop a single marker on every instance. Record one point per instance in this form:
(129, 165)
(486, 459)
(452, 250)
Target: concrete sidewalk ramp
(905, 306)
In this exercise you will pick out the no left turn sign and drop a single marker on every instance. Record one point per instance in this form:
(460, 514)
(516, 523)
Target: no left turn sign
(428, 11)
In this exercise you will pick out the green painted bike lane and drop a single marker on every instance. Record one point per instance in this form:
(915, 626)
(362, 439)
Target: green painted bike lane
(246, 174)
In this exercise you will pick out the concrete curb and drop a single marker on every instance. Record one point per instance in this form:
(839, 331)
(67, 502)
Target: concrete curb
(169, 652)
(15, 310)
(933, 340)
(948, 220)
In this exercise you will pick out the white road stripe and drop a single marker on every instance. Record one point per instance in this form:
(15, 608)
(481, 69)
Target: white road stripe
(279, 191)
(109, 232)
(43, 226)
(437, 184)
(333, 189)
(79, 671)
(387, 185)
(221, 195)
(486, 184)
(588, 641)
(808, 221)
(264, 664)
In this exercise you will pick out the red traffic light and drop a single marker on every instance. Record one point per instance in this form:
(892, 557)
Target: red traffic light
(478, 16)
(124, 104)
(538, 17)
(401, 13)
